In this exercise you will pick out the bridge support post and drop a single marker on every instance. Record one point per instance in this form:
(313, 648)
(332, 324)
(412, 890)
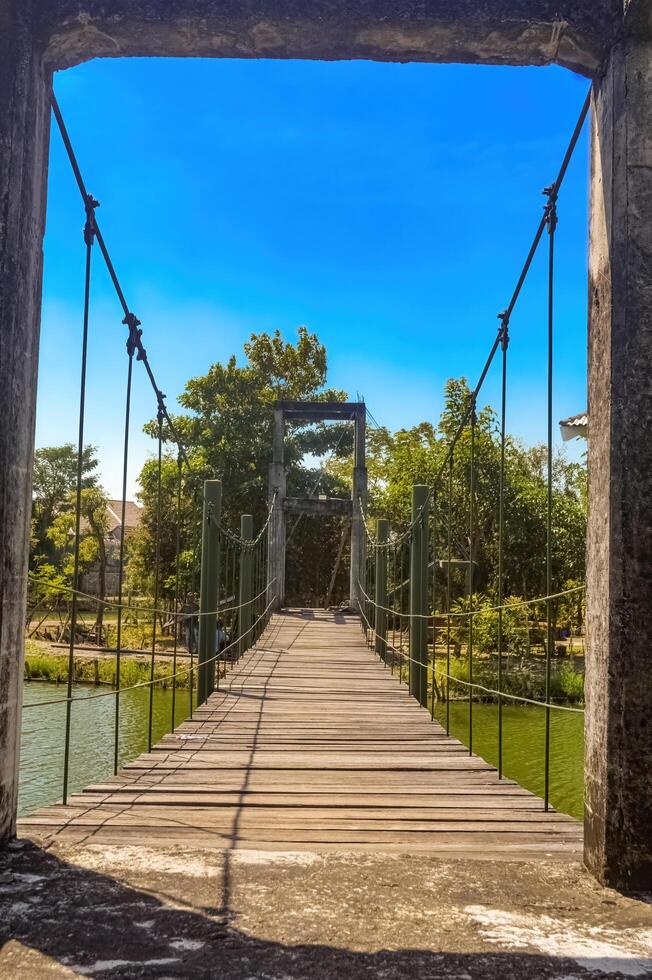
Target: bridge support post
(245, 613)
(208, 590)
(276, 531)
(359, 499)
(418, 593)
(382, 535)
(618, 794)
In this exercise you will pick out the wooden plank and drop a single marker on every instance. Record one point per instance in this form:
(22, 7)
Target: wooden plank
(312, 743)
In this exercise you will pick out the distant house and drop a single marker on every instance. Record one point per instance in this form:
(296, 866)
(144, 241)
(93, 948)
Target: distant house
(575, 427)
(133, 518)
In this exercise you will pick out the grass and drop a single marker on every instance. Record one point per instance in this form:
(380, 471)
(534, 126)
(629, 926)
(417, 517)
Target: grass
(53, 667)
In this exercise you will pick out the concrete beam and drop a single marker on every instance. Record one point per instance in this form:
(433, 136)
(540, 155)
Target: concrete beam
(574, 33)
(331, 507)
(618, 827)
(321, 411)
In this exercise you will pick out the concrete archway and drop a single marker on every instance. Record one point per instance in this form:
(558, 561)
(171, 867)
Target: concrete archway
(610, 40)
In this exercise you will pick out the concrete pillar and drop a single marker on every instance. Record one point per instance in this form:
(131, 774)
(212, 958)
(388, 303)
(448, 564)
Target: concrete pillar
(276, 533)
(618, 820)
(359, 496)
(24, 140)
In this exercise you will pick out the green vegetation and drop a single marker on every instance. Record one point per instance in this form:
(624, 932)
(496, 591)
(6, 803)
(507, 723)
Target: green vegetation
(227, 426)
(101, 670)
(420, 455)
(522, 680)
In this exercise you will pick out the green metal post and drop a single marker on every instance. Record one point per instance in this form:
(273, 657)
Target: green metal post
(245, 613)
(382, 536)
(210, 565)
(418, 593)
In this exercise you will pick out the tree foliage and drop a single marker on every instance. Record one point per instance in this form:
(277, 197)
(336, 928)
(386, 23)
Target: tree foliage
(92, 542)
(228, 427)
(421, 455)
(54, 478)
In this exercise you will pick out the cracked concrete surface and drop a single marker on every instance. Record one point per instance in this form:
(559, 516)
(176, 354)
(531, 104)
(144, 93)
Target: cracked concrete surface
(129, 911)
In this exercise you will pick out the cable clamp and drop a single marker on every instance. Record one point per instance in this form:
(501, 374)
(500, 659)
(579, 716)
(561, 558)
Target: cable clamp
(89, 227)
(503, 329)
(550, 209)
(162, 412)
(133, 340)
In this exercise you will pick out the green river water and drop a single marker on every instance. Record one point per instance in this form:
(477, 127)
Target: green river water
(91, 757)
(91, 742)
(524, 747)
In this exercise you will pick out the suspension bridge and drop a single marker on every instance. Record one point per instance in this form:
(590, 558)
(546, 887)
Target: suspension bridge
(317, 728)
(348, 734)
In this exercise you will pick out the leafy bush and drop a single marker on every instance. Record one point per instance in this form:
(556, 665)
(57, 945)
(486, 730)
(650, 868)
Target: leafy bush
(567, 684)
(486, 624)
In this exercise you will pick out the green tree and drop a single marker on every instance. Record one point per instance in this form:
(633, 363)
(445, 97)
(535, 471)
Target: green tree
(228, 427)
(54, 478)
(421, 454)
(92, 541)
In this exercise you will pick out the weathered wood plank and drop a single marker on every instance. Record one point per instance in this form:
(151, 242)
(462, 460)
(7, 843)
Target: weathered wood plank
(312, 743)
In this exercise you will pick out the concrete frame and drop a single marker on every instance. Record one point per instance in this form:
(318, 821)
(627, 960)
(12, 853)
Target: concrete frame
(608, 40)
(355, 412)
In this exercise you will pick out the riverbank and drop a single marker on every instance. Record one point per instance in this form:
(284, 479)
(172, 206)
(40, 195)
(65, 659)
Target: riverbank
(43, 662)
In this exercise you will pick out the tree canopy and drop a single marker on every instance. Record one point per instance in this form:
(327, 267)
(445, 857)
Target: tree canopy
(227, 427)
(420, 455)
(53, 480)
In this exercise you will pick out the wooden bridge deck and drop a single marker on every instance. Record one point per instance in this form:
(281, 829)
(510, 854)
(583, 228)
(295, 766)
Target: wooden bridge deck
(313, 745)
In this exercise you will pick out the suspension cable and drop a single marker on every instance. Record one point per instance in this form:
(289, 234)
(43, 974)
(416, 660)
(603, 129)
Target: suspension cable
(89, 238)
(130, 320)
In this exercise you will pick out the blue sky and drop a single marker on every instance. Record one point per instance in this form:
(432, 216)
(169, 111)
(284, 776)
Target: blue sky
(387, 207)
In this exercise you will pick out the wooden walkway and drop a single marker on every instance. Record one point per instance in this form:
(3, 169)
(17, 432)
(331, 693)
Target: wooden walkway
(313, 745)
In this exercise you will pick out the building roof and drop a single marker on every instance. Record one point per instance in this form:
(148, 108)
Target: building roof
(133, 514)
(575, 427)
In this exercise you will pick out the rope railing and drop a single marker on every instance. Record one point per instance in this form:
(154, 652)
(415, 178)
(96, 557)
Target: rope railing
(158, 611)
(431, 668)
(235, 594)
(403, 587)
(463, 614)
(160, 680)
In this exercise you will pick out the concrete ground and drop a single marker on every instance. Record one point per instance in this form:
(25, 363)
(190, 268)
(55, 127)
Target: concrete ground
(108, 911)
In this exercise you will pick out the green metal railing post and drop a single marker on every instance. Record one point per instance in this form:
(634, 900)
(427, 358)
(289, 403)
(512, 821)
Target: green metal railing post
(245, 613)
(418, 593)
(382, 536)
(208, 589)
